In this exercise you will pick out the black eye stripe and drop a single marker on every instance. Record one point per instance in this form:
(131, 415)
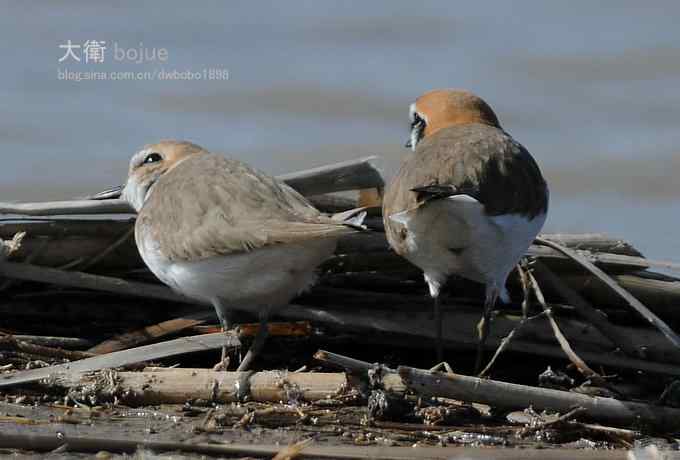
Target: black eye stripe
(417, 120)
(152, 158)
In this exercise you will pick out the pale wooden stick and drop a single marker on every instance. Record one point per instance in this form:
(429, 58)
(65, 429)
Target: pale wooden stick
(176, 386)
(175, 347)
(63, 208)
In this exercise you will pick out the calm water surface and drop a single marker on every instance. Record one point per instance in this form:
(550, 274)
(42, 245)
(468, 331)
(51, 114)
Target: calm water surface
(593, 90)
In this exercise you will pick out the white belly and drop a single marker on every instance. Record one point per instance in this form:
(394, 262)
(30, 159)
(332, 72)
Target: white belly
(264, 278)
(455, 236)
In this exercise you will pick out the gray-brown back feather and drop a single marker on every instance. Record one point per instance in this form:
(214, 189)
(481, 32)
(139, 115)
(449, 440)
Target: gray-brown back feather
(209, 205)
(480, 160)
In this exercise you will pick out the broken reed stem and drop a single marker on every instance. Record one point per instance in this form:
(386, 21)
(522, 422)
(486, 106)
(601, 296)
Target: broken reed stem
(66, 343)
(10, 342)
(82, 280)
(547, 424)
(350, 365)
(506, 341)
(11, 246)
(146, 334)
(576, 360)
(609, 282)
(115, 245)
(524, 282)
(30, 259)
(293, 450)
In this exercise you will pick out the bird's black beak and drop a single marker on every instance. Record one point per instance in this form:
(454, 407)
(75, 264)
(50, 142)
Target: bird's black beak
(408, 144)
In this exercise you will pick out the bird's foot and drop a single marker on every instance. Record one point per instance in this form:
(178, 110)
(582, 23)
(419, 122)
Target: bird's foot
(222, 365)
(256, 347)
(483, 332)
(443, 365)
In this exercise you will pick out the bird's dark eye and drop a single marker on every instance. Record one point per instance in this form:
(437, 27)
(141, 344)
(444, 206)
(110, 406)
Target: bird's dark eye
(153, 158)
(417, 120)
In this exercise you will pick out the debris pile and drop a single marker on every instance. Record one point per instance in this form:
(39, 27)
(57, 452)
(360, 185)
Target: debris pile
(97, 355)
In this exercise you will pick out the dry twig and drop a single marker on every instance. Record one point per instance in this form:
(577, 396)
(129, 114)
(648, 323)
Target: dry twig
(576, 360)
(606, 279)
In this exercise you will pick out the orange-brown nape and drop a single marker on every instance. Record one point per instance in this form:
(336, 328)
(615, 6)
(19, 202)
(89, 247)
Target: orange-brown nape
(442, 108)
(153, 161)
(170, 153)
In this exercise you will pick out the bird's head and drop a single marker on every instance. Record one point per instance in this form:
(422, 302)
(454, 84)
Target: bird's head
(149, 164)
(442, 108)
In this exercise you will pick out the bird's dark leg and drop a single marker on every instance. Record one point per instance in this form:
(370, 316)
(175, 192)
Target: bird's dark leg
(439, 329)
(224, 316)
(257, 345)
(483, 327)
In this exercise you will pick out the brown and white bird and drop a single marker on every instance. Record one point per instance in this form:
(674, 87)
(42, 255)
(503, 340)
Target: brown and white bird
(468, 201)
(217, 230)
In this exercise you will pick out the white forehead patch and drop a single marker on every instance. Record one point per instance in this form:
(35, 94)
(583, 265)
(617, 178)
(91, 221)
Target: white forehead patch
(412, 111)
(138, 158)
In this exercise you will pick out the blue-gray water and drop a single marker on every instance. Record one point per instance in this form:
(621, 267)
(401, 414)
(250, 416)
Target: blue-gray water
(591, 88)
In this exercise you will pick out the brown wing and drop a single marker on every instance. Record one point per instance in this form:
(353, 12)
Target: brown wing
(209, 205)
(477, 160)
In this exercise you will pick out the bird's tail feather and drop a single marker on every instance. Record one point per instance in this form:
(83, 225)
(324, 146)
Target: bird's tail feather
(352, 218)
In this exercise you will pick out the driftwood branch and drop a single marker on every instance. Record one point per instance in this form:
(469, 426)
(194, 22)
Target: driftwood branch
(348, 175)
(593, 242)
(512, 396)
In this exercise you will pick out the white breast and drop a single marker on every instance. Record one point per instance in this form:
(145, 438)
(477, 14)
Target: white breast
(264, 278)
